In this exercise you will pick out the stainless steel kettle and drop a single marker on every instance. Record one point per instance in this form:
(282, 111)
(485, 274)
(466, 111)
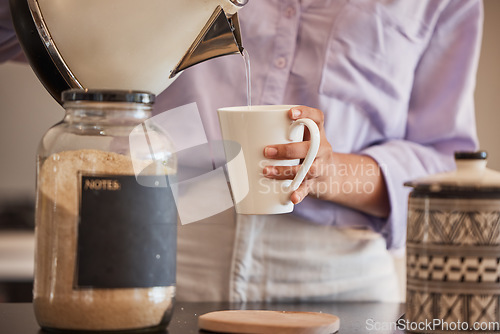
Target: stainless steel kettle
(122, 44)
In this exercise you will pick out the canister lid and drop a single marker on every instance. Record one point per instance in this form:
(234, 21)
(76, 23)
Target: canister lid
(106, 95)
(471, 175)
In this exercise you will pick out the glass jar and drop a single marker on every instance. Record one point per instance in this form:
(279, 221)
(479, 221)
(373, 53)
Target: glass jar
(105, 217)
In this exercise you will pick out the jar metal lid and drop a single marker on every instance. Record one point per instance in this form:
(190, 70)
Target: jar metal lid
(107, 95)
(466, 155)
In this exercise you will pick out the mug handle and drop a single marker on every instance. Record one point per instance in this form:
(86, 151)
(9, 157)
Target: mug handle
(310, 156)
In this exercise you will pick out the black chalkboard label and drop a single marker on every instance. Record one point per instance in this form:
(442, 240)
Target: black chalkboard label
(127, 233)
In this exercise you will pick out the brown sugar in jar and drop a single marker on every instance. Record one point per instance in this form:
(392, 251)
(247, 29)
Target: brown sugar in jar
(105, 219)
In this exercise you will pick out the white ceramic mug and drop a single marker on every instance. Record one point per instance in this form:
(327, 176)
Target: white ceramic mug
(246, 131)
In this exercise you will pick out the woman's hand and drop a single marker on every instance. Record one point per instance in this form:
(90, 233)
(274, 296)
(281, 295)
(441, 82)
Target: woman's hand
(352, 180)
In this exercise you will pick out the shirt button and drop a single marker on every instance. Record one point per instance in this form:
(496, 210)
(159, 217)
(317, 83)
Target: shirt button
(280, 62)
(290, 12)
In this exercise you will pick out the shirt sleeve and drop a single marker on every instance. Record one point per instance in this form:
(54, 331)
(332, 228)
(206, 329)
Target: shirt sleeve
(440, 121)
(9, 46)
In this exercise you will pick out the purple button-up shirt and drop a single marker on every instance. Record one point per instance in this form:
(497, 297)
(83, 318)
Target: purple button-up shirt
(394, 78)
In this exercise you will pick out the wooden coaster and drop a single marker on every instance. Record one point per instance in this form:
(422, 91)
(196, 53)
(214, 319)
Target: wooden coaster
(269, 322)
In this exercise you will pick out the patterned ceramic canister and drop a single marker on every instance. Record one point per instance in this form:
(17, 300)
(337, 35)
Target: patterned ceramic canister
(453, 250)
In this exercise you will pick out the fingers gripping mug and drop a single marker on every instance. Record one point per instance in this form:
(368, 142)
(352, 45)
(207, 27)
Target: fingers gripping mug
(246, 131)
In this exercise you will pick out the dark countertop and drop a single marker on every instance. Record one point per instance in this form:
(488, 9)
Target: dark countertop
(355, 317)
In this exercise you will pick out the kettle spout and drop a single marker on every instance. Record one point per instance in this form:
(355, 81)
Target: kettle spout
(221, 36)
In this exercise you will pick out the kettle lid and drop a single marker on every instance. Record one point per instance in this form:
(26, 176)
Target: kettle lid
(471, 175)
